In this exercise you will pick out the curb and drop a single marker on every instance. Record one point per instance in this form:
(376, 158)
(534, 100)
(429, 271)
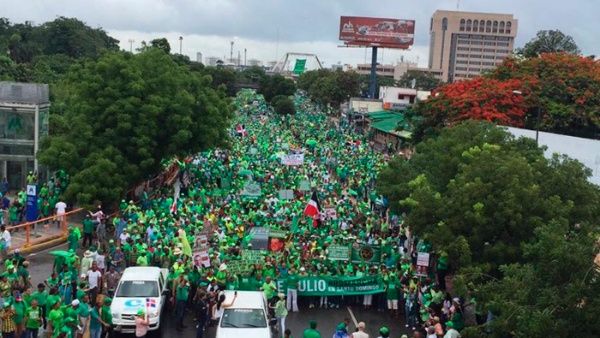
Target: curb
(48, 243)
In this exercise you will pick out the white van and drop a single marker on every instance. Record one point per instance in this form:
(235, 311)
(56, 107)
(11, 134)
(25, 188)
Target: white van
(140, 287)
(246, 318)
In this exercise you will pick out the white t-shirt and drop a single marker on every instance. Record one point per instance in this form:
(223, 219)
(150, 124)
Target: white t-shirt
(7, 238)
(360, 334)
(60, 208)
(93, 277)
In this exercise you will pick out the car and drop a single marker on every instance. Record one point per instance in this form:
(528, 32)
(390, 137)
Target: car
(247, 317)
(140, 287)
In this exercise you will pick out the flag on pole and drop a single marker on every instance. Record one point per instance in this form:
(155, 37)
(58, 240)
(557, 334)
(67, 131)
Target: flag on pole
(313, 208)
(187, 249)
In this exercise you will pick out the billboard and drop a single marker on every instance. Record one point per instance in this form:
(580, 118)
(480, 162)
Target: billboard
(377, 32)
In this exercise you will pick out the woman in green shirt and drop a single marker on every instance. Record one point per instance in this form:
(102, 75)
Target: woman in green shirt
(33, 319)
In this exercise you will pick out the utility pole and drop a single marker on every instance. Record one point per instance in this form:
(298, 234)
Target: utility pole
(131, 41)
(239, 58)
(180, 44)
(245, 51)
(231, 52)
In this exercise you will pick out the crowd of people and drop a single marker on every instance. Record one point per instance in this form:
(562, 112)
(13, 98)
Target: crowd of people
(210, 197)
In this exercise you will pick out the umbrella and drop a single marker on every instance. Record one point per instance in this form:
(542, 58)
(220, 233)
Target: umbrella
(62, 253)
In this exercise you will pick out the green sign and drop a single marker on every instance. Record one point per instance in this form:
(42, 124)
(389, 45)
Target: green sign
(304, 185)
(370, 254)
(253, 256)
(300, 66)
(274, 233)
(251, 189)
(338, 252)
(337, 286)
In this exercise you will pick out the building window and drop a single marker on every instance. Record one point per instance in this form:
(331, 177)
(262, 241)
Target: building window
(488, 50)
(501, 31)
(488, 26)
(495, 29)
(431, 25)
(469, 22)
(475, 25)
(444, 23)
(508, 27)
(462, 25)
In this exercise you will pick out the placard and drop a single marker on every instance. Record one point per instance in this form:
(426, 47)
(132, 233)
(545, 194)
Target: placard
(292, 159)
(423, 259)
(304, 185)
(286, 194)
(338, 253)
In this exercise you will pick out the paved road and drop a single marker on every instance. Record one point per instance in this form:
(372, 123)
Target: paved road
(41, 265)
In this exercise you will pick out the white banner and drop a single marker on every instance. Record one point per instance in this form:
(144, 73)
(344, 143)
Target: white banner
(292, 159)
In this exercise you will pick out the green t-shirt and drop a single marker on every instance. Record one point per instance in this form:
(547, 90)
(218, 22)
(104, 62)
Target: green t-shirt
(311, 333)
(34, 318)
(183, 292)
(20, 308)
(95, 319)
(106, 314)
(292, 281)
(88, 226)
(41, 297)
(392, 291)
(269, 289)
(56, 317)
(84, 310)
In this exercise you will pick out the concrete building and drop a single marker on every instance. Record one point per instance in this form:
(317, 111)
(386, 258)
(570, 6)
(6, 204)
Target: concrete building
(396, 98)
(212, 61)
(24, 120)
(199, 57)
(254, 63)
(464, 44)
(396, 71)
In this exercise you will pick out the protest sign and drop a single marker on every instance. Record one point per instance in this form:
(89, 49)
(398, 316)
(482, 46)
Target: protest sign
(292, 159)
(304, 185)
(286, 194)
(337, 286)
(275, 233)
(338, 252)
(330, 213)
(423, 259)
(251, 189)
(201, 259)
(200, 242)
(370, 254)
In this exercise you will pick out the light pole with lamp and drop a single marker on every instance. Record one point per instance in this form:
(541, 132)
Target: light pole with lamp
(180, 44)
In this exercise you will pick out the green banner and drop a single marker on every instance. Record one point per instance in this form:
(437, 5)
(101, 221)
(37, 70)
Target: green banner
(370, 254)
(338, 252)
(337, 286)
(299, 66)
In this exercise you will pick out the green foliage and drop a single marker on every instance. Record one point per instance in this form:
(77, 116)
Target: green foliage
(223, 78)
(127, 113)
(330, 87)
(423, 80)
(162, 44)
(283, 105)
(549, 41)
(271, 86)
(477, 193)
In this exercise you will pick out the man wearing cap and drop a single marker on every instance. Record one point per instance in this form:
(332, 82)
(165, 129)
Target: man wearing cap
(451, 331)
(141, 324)
(19, 306)
(312, 331)
(384, 332)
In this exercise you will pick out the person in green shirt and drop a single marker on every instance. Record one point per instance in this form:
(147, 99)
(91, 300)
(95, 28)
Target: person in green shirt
(88, 231)
(269, 288)
(291, 283)
(55, 319)
(106, 316)
(182, 293)
(41, 296)
(33, 319)
(96, 322)
(83, 310)
(312, 331)
(20, 308)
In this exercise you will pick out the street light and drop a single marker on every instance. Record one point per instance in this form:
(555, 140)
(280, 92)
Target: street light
(180, 44)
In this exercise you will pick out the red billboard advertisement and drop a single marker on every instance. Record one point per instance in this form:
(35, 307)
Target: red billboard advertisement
(377, 32)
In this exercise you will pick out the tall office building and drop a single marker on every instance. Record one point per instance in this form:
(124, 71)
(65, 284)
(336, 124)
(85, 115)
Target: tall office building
(465, 44)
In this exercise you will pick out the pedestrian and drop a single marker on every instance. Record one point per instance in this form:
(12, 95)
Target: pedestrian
(7, 316)
(141, 324)
(280, 313)
(451, 331)
(94, 277)
(88, 231)
(312, 331)
(341, 331)
(201, 307)
(220, 306)
(112, 280)
(6, 240)
(292, 290)
(96, 322)
(60, 208)
(384, 332)
(182, 293)
(287, 334)
(20, 311)
(361, 331)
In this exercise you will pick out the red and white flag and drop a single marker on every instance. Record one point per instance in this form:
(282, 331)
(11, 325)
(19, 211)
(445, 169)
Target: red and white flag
(240, 129)
(313, 208)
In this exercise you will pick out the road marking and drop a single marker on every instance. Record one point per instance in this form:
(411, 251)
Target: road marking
(352, 316)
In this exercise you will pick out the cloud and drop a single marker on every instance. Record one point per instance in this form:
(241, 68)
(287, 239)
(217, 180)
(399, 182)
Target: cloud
(306, 25)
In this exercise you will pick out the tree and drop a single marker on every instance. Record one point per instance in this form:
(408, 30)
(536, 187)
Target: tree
(549, 41)
(330, 87)
(565, 87)
(127, 113)
(423, 80)
(477, 193)
(275, 85)
(283, 105)
(479, 99)
(162, 44)
(554, 292)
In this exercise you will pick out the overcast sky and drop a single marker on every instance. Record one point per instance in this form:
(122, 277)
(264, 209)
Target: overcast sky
(269, 28)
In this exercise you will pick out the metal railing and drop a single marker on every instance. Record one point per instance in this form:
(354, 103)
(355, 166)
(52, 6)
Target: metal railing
(46, 222)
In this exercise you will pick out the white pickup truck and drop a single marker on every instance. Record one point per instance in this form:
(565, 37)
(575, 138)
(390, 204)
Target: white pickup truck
(139, 288)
